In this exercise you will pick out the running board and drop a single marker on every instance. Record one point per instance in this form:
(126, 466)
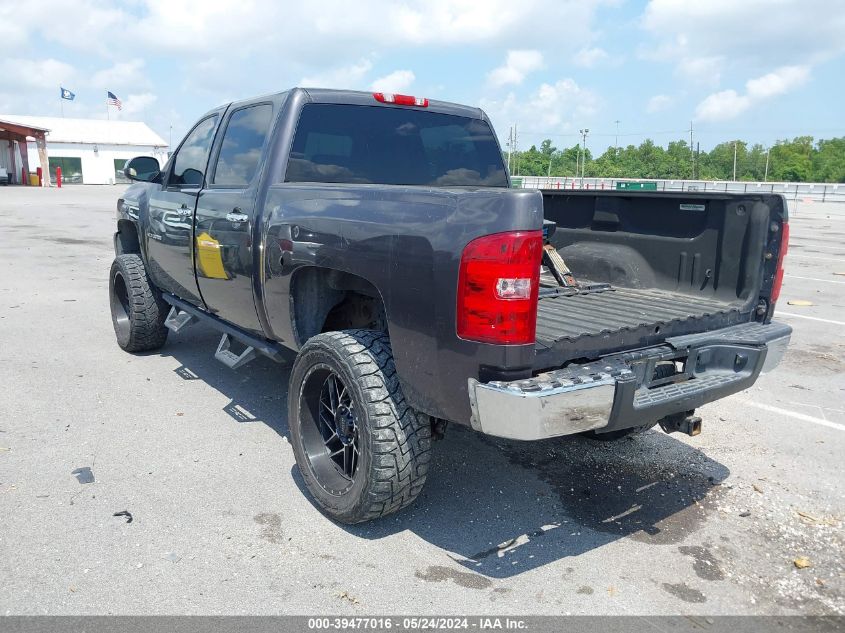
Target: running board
(190, 313)
(178, 320)
(226, 356)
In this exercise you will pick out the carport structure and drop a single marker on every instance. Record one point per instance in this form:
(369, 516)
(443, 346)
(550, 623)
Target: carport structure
(16, 132)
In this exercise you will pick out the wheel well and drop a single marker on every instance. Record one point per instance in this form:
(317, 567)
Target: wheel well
(326, 300)
(126, 238)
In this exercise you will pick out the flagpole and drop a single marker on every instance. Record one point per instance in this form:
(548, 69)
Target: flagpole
(107, 110)
(62, 106)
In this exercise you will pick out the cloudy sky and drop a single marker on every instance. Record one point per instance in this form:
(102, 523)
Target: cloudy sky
(753, 69)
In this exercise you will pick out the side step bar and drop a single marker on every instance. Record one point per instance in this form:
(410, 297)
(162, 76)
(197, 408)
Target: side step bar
(184, 314)
(177, 320)
(226, 356)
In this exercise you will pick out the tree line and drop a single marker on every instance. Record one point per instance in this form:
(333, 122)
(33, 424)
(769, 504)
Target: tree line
(801, 159)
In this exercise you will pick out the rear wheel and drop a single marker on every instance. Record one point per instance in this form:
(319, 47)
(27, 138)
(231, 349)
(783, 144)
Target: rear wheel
(137, 309)
(362, 450)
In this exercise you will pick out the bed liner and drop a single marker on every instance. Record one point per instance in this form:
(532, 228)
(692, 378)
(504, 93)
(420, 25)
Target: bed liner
(596, 323)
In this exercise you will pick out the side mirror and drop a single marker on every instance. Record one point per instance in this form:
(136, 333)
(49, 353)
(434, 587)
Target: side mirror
(143, 168)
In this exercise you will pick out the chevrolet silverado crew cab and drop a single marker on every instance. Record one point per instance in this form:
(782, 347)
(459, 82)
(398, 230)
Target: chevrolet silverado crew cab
(373, 242)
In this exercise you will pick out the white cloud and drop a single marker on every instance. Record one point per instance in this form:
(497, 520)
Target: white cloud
(41, 73)
(589, 57)
(719, 106)
(397, 81)
(137, 104)
(122, 74)
(517, 65)
(349, 76)
(778, 82)
(266, 45)
(552, 108)
(729, 104)
(658, 103)
(701, 70)
(751, 34)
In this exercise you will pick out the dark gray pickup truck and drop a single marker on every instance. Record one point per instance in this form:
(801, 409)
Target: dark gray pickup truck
(372, 241)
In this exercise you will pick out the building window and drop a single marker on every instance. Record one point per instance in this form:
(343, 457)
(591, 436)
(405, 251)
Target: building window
(119, 163)
(71, 169)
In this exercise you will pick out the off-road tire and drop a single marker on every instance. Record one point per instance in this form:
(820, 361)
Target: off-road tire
(394, 440)
(137, 309)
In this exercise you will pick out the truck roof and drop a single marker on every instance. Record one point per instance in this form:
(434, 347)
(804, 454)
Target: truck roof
(358, 97)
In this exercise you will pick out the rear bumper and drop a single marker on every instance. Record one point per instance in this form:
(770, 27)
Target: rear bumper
(620, 391)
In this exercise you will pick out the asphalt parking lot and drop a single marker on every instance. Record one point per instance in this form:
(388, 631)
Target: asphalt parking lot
(199, 456)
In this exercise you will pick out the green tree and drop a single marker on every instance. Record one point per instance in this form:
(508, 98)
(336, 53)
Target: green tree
(799, 159)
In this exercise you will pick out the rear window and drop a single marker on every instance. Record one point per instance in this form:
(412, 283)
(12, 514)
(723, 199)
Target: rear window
(393, 146)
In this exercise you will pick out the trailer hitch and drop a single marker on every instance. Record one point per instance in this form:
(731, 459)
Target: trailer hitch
(684, 422)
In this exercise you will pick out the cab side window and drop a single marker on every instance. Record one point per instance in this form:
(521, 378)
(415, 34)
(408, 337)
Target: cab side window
(243, 143)
(192, 157)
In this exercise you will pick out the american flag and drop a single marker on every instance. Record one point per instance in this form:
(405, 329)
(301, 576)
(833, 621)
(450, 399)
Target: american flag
(113, 100)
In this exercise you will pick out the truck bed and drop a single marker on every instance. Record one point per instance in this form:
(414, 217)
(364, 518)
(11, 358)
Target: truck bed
(672, 264)
(602, 313)
(589, 325)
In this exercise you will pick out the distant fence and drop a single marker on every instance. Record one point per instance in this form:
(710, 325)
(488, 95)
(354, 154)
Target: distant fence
(819, 192)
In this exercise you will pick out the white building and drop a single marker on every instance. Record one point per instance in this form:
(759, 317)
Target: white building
(89, 151)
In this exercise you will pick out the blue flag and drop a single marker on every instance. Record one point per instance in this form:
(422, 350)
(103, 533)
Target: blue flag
(67, 94)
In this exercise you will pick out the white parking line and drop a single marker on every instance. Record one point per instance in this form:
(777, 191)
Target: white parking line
(827, 281)
(837, 248)
(804, 316)
(794, 414)
(826, 259)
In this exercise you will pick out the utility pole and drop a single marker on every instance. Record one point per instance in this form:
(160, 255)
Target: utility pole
(584, 133)
(577, 160)
(510, 147)
(695, 159)
(516, 147)
(766, 175)
(692, 155)
(734, 161)
(616, 144)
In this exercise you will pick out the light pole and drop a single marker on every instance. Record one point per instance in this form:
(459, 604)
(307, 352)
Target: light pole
(734, 161)
(766, 175)
(584, 133)
(616, 144)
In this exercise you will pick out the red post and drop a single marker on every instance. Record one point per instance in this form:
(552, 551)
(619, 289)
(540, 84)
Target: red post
(40, 173)
(59, 177)
(23, 176)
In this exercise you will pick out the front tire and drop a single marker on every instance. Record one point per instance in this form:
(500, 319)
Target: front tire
(362, 450)
(137, 309)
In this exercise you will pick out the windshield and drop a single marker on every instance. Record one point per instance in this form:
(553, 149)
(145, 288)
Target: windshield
(393, 146)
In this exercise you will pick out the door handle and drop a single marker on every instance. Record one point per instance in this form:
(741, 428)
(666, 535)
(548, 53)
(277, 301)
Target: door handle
(236, 216)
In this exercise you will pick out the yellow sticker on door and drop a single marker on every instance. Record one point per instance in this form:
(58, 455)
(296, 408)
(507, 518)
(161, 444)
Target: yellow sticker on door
(209, 257)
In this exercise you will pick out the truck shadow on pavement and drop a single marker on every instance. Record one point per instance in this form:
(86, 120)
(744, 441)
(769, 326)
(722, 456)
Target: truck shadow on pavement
(500, 508)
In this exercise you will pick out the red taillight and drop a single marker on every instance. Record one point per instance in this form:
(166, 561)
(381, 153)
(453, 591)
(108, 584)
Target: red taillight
(407, 100)
(778, 281)
(497, 288)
